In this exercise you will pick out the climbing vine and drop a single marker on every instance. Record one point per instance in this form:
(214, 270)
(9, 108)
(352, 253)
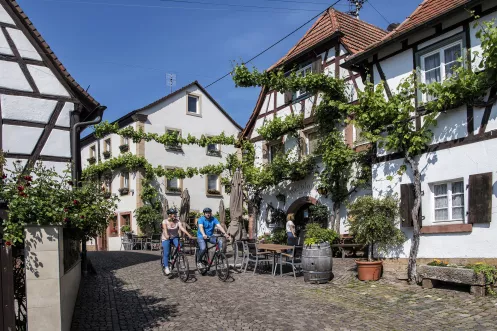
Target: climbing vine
(279, 127)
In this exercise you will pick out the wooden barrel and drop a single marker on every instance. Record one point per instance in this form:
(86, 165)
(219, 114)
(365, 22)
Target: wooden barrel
(317, 263)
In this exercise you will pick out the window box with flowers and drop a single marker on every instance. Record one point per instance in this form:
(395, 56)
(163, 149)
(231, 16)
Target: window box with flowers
(107, 195)
(213, 192)
(106, 154)
(172, 189)
(92, 160)
(124, 148)
(124, 191)
(214, 153)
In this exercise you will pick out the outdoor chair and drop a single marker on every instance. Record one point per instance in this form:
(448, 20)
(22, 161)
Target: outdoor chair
(242, 252)
(292, 257)
(155, 242)
(256, 256)
(126, 243)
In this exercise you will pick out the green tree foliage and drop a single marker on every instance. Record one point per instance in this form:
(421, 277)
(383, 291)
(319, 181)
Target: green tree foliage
(316, 234)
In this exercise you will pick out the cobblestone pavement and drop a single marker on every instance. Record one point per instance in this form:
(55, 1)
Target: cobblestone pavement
(130, 293)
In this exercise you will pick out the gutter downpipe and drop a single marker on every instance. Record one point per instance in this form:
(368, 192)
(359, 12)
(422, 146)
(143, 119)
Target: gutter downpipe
(76, 171)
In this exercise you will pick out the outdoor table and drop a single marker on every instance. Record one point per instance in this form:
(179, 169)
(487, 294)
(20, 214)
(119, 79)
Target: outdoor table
(140, 240)
(276, 249)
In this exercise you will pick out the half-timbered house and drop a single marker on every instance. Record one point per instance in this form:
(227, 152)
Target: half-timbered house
(40, 101)
(331, 39)
(459, 191)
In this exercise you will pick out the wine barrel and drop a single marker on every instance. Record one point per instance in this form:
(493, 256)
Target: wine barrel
(317, 263)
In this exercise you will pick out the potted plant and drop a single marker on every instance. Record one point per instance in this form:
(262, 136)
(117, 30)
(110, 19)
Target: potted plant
(125, 229)
(106, 154)
(123, 190)
(374, 222)
(322, 190)
(107, 195)
(91, 160)
(317, 261)
(124, 148)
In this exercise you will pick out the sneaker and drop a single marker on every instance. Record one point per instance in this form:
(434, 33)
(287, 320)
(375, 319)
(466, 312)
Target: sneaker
(167, 271)
(200, 265)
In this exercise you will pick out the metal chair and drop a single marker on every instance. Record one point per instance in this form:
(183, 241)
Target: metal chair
(126, 243)
(256, 256)
(292, 257)
(155, 242)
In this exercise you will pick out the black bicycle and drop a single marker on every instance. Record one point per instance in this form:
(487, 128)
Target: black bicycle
(221, 262)
(178, 260)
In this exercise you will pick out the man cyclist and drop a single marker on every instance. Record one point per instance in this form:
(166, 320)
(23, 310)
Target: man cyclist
(206, 226)
(171, 228)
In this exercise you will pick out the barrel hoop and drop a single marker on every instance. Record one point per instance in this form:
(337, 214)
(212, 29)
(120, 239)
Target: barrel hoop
(316, 272)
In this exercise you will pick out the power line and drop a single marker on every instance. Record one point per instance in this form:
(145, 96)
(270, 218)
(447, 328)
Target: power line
(276, 43)
(274, 9)
(303, 2)
(379, 13)
(237, 5)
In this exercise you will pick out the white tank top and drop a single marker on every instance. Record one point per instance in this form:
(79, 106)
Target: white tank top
(173, 231)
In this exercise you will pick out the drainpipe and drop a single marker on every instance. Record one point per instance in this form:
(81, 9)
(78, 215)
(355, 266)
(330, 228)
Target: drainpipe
(76, 171)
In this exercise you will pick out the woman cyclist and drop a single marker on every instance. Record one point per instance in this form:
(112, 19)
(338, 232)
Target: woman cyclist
(171, 228)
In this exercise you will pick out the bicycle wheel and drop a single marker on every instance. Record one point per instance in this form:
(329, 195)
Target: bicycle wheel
(222, 267)
(183, 268)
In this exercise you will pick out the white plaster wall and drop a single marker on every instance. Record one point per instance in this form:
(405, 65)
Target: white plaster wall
(23, 45)
(26, 108)
(4, 46)
(65, 115)
(20, 139)
(58, 144)
(11, 76)
(440, 37)
(258, 153)
(475, 42)
(396, 68)
(280, 99)
(172, 114)
(449, 164)
(12, 164)
(46, 81)
(5, 17)
(451, 125)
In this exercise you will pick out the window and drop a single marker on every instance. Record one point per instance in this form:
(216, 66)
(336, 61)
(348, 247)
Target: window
(213, 184)
(125, 180)
(174, 145)
(274, 150)
(449, 201)
(174, 185)
(125, 220)
(107, 145)
(193, 107)
(113, 226)
(125, 141)
(440, 64)
(107, 185)
(214, 150)
(358, 138)
(303, 72)
(311, 145)
(93, 151)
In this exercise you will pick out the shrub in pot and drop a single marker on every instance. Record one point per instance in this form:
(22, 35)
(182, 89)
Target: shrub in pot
(374, 222)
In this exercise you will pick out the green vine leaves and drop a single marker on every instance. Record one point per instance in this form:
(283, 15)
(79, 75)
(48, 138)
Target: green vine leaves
(279, 127)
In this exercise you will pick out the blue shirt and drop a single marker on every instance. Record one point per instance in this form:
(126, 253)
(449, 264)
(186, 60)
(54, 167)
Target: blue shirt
(209, 225)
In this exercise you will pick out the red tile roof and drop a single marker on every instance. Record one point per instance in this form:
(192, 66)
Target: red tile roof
(85, 97)
(357, 35)
(427, 11)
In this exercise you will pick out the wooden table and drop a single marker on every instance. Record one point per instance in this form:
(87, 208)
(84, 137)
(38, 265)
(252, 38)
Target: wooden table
(140, 240)
(276, 248)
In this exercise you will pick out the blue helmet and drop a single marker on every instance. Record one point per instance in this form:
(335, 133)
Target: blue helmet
(172, 211)
(207, 210)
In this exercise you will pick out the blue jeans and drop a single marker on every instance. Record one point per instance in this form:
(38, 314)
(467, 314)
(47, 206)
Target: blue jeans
(203, 246)
(166, 244)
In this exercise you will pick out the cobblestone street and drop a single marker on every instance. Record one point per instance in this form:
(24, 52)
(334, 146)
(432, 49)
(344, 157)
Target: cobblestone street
(130, 293)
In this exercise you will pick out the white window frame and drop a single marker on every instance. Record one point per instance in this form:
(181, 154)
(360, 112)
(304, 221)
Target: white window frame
(440, 50)
(218, 184)
(93, 151)
(199, 104)
(449, 201)
(302, 72)
(180, 133)
(179, 182)
(126, 180)
(308, 141)
(107, 145)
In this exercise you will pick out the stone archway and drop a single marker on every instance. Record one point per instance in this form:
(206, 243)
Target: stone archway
(297, 204)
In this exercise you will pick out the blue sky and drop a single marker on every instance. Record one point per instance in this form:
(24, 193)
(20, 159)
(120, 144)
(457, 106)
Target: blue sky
(123, 49)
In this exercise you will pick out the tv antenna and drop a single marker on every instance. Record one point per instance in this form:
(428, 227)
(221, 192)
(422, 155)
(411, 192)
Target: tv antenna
(171, 80)
(355, 6)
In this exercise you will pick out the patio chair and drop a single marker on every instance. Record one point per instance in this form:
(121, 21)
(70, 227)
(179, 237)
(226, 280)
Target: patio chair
(292, 257)
(256, 256)
(126, 243)
(155, 242)
(238, 253)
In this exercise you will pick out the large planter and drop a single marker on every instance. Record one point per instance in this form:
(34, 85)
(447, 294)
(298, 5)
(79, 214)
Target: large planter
(317, 263)
(430, 276)
(369, 270)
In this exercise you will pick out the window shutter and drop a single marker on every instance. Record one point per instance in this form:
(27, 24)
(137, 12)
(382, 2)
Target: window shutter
(265, 153)
(288, 97)
(407, 196)
(317, 65)
(480, 198)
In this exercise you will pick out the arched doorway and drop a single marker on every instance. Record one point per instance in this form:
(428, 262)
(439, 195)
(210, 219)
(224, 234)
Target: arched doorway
(300, 208)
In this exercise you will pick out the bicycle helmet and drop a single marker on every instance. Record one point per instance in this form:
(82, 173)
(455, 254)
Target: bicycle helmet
(172, 211)
(207, 210)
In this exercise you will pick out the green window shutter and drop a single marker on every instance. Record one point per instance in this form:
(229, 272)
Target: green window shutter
(480, 198)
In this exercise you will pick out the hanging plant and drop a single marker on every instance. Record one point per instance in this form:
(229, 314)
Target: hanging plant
(322, 190)
(281, 197)
(91, 160)
(124, 148)
(106, 154)
(124, 191)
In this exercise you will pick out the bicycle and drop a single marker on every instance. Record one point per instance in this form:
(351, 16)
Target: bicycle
(178, 260)
(222, 267)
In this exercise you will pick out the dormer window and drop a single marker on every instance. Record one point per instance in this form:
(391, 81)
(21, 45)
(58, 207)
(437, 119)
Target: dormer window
(439, 62)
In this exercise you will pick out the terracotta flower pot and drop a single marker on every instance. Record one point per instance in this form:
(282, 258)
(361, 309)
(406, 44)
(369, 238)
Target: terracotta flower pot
(369, 270)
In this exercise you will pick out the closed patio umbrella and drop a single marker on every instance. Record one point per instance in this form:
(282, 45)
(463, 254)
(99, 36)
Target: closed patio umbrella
(165, 207)
(236, 209)
(185, 208)
(222, 215)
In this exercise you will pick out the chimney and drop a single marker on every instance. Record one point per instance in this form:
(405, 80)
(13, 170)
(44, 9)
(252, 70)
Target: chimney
(392, 26)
